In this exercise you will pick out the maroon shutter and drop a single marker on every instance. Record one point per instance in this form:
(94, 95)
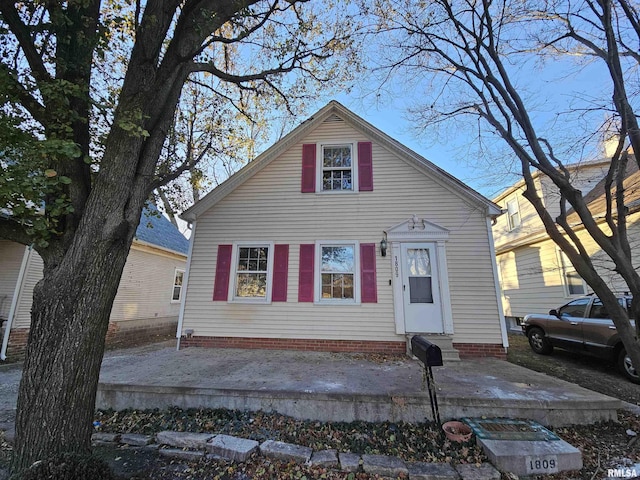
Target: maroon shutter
(308, 168)
(280, 273)
(305, 280)
(223, 268)
(365, 167)
(368, 273)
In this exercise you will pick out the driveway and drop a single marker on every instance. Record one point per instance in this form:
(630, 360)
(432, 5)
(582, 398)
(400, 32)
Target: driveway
(588, 372)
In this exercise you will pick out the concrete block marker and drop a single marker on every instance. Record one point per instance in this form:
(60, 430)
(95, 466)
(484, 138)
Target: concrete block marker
(285, 451)
(197, 441)
(232, 448)
(474, 472)
(431, 471)
(532, 458)
(179, 454)
(384, 465)
(325, 458)
(136, 439)
(349, 462)
(524, 447)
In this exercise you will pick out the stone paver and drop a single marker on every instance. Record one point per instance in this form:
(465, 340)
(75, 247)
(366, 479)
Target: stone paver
(105, 438)
(179, 454)
(384, 465)
(285, 451)
(136, 439)
(325, 458)
(349, 462)
(184, 439)
(232, 448)
(431, 471)
(473, 472)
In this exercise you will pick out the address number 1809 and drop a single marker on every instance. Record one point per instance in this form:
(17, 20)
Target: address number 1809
(545, 464)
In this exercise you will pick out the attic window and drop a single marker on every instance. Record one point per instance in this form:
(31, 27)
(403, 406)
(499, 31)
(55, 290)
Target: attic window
(337, 168)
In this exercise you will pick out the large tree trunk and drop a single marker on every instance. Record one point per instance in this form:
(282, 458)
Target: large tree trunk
(69, 320)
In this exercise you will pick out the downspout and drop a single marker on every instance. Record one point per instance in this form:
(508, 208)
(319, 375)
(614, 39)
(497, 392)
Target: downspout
(185, 284)
(14, 302)
(492, 250)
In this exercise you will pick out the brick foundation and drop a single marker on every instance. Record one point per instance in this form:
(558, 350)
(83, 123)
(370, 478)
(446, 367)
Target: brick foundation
(475, 350)
(117, 337)
(17, 345)
(360, 346)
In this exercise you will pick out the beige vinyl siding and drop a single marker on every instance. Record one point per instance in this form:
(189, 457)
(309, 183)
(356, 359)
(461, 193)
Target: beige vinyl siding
(532, 280)
(33, 275)
(146, 286)
(144, 293)
(270, 207)
(583, 178)
(11, 255)
(530, 222)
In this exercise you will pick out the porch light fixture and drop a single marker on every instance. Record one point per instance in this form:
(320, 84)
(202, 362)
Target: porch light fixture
(383, 246)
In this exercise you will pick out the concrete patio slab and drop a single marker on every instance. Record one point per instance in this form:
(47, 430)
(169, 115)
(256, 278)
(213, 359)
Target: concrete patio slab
(342, 387)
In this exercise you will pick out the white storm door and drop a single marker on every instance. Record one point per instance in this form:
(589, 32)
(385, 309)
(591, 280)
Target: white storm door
(420, 288)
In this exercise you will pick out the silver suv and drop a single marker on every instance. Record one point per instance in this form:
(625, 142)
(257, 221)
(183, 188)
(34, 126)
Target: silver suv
(582, 325)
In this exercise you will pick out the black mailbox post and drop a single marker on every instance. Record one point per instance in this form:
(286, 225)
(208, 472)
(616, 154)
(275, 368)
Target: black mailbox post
(431, 356)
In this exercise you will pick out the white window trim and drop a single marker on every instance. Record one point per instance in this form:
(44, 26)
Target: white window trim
(234, 271)
(354, 167)
(317, 280)
(175, 273)
(563, 277)
(514, 198)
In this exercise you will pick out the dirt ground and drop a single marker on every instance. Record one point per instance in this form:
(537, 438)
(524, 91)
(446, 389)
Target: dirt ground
(588, 372)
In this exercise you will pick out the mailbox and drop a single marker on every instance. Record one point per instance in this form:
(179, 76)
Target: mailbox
(427, 352)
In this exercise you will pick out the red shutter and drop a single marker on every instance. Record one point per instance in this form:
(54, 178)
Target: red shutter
(369, 292)
(308, 168)
(305, 280)
(223, 268)
(280, 273)
(365, 167)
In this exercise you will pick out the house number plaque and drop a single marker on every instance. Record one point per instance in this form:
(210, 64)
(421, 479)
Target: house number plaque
(396, 267)
(542, 464)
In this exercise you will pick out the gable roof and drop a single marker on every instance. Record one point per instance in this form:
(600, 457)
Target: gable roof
(381, 138)
(155, 229)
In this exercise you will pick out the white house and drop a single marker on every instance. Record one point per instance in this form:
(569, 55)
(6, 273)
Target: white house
(339, 238)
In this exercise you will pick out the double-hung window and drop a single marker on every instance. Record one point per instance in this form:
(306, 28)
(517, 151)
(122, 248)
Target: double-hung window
(176, 293)
(337, 167)
(253, 267)
(513, 213)
(337, 277)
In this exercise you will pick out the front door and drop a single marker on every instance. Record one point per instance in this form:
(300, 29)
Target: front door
(420, 288)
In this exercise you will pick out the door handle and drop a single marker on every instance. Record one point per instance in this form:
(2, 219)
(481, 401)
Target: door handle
(612, 327)
(574, 323)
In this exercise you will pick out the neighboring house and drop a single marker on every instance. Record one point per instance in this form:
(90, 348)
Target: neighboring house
(535, 275)
(339, 238)
(149, 294)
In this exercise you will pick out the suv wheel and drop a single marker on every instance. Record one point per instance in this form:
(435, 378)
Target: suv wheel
(539, 342)
(626, 367)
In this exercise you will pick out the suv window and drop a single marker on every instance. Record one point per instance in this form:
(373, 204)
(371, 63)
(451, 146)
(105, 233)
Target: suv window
(598, 310)
(576, 308)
